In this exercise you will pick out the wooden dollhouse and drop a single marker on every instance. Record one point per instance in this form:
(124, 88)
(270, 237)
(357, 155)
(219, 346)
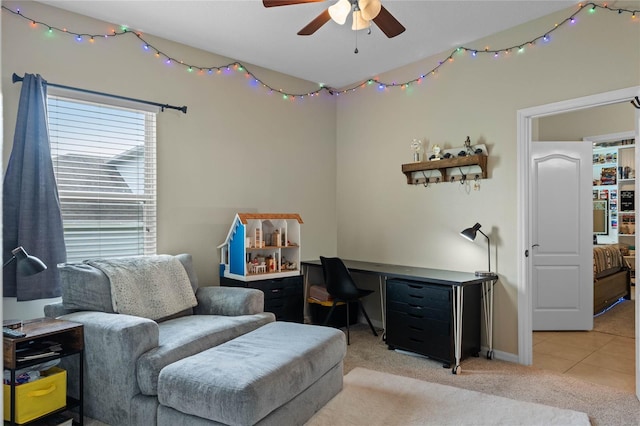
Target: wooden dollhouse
(260, 246)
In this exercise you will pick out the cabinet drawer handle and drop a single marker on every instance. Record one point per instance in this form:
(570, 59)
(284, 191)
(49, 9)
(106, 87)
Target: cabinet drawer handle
(415, 286)
(42, 392)
(276, 290)
(415, 328)
(416, 296)
(415, 316)
(415, 340)
(415, 306)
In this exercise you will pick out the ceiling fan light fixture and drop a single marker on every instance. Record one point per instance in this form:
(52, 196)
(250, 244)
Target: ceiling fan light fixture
(358, 22)
(370, 8)
(340, 11)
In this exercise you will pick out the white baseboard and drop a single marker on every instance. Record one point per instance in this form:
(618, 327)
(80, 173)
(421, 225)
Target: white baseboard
(502, 356)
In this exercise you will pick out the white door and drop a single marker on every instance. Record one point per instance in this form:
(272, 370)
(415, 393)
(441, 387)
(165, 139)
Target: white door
(561, 252)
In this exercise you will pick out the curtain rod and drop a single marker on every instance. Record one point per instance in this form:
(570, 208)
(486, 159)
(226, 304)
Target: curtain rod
(16, 78)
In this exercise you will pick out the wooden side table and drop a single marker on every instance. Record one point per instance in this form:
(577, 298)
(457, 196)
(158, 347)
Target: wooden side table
(69, 335)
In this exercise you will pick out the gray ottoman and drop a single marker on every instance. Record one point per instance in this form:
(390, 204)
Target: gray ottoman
(279, 374)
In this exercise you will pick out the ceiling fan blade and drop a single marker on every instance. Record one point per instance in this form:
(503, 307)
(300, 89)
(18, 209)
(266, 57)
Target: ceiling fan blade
(273, 3)
(388, 24)
(315, 25)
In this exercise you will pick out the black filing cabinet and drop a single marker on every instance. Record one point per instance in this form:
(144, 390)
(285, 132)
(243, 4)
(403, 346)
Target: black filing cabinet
(282, 296)
(420, 319)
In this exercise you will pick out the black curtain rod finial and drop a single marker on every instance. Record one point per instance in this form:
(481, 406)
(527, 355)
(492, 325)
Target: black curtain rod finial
(636, 103)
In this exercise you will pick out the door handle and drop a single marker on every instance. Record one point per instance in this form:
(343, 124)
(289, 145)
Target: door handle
(526, 252)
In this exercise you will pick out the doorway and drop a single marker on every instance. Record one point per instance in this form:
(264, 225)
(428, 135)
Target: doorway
(526, 131)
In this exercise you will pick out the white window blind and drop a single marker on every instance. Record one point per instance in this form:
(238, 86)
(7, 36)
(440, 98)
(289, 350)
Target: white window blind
(104, 159)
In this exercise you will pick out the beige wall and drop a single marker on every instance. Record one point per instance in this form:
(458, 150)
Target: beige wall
(382, 218)
(573, 126)
(340, 161)
(237, 149)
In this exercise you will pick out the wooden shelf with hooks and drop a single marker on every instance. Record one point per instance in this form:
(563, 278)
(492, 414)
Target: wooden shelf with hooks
(470, 167)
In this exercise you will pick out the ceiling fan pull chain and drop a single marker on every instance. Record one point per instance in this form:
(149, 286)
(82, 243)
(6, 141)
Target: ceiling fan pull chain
(356, 51)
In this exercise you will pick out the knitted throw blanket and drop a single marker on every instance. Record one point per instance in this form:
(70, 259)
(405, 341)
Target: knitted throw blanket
(151, 287)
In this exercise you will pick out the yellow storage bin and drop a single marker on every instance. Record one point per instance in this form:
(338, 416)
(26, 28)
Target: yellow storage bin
(39, 397)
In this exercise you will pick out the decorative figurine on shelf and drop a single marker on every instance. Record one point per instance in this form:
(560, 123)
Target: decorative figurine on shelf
(436, 153)
(467, 146)
(416, 147)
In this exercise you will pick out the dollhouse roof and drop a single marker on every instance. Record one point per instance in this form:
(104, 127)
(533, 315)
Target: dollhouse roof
(247, 216)
(244, 217)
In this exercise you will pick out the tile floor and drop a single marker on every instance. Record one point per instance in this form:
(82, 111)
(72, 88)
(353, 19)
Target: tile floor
(591, 356)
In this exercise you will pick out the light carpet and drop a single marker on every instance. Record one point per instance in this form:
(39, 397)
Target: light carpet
(374, 398)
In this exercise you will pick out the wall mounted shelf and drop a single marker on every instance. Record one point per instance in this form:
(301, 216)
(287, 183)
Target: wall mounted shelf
(470, 167)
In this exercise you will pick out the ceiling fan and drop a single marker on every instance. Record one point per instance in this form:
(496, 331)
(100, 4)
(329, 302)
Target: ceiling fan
(364, 11)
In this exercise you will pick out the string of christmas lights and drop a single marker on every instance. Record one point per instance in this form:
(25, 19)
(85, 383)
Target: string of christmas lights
(382, 86)
(520, 48)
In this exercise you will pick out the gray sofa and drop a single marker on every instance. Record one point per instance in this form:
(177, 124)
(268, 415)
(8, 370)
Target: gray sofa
(125, 353)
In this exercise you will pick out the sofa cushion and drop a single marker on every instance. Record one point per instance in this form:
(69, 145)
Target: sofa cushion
(85, 287)
(182, 337)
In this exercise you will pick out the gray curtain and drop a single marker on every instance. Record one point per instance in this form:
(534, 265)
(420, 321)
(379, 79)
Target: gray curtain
(31, 208)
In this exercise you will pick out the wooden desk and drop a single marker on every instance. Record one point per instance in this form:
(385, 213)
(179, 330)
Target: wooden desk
(455, 280)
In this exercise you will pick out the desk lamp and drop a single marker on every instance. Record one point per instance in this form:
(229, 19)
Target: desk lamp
(26, 264)
(470, 234)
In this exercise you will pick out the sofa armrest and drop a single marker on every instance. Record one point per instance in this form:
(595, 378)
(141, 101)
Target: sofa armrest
(113, 343)
(54, 310)
(229, 301)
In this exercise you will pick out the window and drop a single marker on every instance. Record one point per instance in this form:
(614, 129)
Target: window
(104, 160)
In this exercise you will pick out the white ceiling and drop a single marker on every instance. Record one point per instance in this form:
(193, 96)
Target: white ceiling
(246, 31)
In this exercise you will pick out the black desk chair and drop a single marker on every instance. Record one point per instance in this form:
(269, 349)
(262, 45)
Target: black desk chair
(342, 288)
